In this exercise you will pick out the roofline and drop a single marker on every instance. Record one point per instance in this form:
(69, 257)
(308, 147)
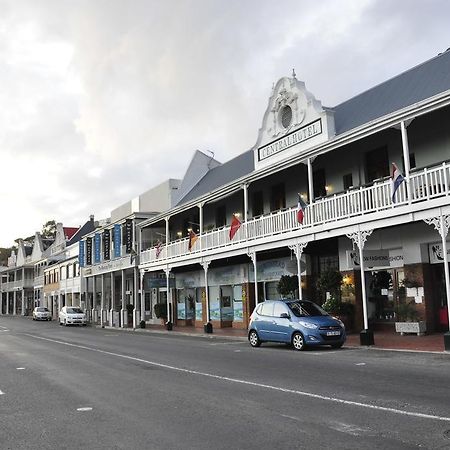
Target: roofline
(381, 123)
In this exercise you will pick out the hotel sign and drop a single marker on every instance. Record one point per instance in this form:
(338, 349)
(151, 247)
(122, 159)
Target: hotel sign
(291, 139)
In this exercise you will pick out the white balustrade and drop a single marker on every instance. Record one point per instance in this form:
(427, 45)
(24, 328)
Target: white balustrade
(424, 185)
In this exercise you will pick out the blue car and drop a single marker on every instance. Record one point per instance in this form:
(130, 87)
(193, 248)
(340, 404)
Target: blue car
(297, 322)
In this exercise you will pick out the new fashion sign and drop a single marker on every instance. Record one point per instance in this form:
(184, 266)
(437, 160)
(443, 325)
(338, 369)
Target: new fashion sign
(375, 258)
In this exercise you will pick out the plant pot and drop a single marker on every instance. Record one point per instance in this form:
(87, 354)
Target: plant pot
(418, 328)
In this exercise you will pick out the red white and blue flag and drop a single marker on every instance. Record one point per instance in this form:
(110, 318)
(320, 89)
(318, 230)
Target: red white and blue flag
(301, 206)
(235, 225)
(396, 180)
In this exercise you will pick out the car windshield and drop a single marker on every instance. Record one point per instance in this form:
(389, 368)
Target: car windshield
(74, 311)
(41, 310)
(302, 309)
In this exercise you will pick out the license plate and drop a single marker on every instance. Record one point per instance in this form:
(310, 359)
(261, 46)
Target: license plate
(333, 333)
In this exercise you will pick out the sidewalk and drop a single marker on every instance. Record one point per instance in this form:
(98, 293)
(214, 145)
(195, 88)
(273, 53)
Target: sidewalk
(383, 339)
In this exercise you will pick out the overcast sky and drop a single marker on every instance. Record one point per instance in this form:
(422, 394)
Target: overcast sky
(101, 99)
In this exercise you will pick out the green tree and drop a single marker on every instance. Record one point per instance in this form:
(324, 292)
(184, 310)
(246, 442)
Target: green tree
(49, 229)
(287, 286)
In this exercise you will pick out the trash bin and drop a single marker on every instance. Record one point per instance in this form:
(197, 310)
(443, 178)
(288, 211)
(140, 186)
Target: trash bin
(366, 337)
(208, 328)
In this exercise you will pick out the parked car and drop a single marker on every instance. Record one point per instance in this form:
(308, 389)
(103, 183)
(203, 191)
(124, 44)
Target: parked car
(72, 315)
(41, 313)
(298, 322)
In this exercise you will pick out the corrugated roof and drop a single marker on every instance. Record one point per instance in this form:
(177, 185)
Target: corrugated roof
(87, 228)
(419, 83)
(222, 175)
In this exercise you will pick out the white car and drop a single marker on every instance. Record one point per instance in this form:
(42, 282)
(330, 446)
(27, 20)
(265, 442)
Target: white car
(41, 313)
(72, 315)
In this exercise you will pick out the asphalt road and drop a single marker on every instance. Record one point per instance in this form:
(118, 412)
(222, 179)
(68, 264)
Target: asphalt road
(71, 388)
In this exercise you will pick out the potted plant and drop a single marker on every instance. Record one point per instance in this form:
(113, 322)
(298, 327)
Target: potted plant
(344, 311)
(287, 286)
(407, 319)
(161, 312)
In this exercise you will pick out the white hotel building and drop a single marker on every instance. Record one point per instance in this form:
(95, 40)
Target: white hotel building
(339, 159)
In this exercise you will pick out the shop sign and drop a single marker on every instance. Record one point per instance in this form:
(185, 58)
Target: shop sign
(375, 258)
(111, 266)
(160, 283)
(106, 244)
(117, 240)
(190, 280)
(273, 270)
(81, 253)
(97, 247)
(227, 275)
(88, 251)
(436, 253)
(128, 235)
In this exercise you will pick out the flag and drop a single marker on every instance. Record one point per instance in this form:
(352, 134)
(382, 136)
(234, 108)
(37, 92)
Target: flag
(396, 180)
(235, 225)
(301, 206)
(159, 247)
(192, 239)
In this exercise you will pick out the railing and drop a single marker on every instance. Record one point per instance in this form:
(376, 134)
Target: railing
(424, 185)
(17, 285)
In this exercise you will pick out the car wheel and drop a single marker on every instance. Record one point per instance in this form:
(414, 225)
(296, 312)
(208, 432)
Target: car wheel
(60, 322)
(298, 341)
(254, 339)
(337, 345)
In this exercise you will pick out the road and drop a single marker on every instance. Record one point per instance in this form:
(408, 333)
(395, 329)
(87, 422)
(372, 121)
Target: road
(93, 388)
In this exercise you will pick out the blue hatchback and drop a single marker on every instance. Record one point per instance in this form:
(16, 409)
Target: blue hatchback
(297, 322)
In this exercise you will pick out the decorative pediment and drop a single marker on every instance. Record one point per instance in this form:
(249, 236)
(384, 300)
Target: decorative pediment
(294, 122)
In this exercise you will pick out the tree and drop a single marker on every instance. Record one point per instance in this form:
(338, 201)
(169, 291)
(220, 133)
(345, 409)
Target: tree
(49, 229)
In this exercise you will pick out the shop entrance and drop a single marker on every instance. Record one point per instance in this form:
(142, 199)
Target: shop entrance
(384, 292)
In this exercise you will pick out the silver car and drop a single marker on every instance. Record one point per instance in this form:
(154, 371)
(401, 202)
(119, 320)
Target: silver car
(41, 313)
(72, 315)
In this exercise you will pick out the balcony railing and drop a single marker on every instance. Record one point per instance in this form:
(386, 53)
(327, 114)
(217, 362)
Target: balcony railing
(17, 285)
(424, 185)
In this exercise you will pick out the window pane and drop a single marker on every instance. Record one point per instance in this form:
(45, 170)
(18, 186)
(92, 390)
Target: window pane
(267, 309)
(279, 309)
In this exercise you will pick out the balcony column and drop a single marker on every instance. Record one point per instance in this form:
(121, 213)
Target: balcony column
(142, 291)
(123, 310)
(298, 250)
(208, 325)
(94, 300)
(102, 301)
(311, 187)
(167, 231)
(359, 238)
(113, 301)
(136, 291)
(442, 225)
(252, 255)
(406, 162)
(14, 303)
(7, 302)
(245, 190)
(23, 302)
(200, 219)
(169, 322)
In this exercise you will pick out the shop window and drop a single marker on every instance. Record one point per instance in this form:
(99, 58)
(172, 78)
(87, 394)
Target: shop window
(319, 183)
(271, 290)
(377, 164)
(257, 204)
(348, 181)
(221, 216)
(328, 263)
(277, 197)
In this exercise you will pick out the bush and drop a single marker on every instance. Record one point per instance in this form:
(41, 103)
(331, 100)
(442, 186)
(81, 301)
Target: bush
(406, 312)
(160, 310)
(287, 286)
(336, 306)
(330, 281)
(142, 324)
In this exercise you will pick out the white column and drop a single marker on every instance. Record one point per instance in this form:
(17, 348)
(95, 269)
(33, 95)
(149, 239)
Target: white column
(200, 219)
(167, 231)
(205, 266)
(142, 290)
(7, 302)
(94, 300)
(113, 301)
(136, 289)
(406, 162)
(245, 189)
(169, 301)
(359, 239)
(23, 302)
(310, 182)
(102, 301)
(255, 270)
(298, 250)
(442, 225)
(123, 310)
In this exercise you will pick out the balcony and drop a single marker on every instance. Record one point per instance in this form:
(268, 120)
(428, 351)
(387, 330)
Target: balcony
(17, 285)
(424, 185)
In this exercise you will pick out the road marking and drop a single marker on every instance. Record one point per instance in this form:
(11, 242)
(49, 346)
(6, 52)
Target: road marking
(251, 383)
(360, 364)
(20, 368)
(2, 393)
(85, 408)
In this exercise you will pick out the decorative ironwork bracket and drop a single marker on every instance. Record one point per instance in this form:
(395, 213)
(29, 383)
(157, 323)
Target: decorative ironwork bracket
(298, 248)
(360, 237)
(441, 224)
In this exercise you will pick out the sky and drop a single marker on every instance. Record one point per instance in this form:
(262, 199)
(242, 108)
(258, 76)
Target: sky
(103, 99)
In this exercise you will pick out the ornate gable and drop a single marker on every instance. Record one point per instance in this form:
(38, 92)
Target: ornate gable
(294, 122)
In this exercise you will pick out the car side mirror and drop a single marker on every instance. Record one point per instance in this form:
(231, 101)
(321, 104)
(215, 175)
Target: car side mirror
(285, 316)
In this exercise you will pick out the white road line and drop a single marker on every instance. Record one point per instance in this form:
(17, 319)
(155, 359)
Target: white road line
(251, 383)
(86, 408)
(360, 364)
(2, 393)
(20, 368)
